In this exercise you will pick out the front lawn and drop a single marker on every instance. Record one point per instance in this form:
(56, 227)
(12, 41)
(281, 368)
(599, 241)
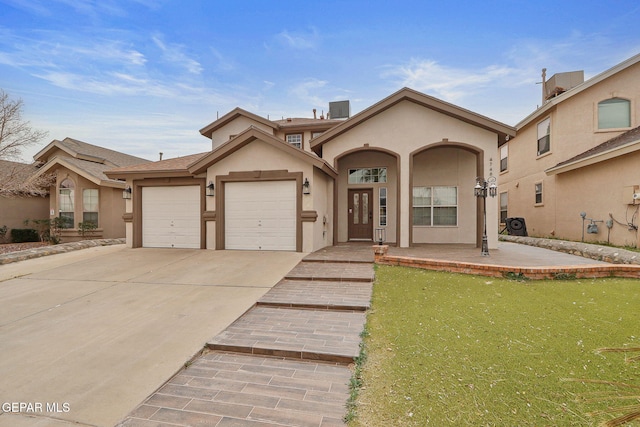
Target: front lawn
(455, 350)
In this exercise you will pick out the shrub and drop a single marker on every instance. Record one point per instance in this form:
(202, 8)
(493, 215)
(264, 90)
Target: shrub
(20, 235)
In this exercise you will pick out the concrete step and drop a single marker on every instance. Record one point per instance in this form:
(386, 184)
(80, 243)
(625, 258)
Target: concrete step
(332, 336)
(328, 295)
(332, 271)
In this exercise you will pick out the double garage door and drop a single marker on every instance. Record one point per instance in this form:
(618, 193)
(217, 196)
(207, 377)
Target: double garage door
(260, 215)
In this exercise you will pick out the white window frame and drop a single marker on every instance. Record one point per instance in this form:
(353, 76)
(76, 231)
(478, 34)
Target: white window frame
(538, 190)
(71, 201)
(295, 139)
(86, 209)
(433, 205)
(367, 175)
(382, 203)
(544, 131)
(504, 155)
(504, 208)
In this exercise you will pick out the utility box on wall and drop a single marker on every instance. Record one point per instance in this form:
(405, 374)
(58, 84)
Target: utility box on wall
(631, 195)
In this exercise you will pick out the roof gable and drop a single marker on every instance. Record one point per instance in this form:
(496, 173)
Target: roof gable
(177, 166)
(406, 94)
(231, 116)
(253, 134)
(578, 89)
(89, 152)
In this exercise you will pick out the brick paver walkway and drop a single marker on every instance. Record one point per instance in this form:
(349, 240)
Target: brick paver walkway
(283, 363)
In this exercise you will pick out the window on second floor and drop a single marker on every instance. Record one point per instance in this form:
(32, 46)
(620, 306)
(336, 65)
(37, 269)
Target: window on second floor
(614, 113)
(544, 136)
(504, 157)
(295, 139)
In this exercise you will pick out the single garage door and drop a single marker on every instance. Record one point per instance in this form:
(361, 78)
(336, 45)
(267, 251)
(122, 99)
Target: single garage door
(260, 215)
(171, 217)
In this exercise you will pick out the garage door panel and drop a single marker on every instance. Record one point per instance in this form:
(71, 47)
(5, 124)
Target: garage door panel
(171, 217)
(260, 215)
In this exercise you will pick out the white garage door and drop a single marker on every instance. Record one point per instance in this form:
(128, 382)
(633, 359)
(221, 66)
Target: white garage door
(171, 217)
(260, 215)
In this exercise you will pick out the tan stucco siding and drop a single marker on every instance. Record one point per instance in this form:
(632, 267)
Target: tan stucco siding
(406, 128)
(235, 127)
(14, 211)
(322, 203)
(451, 167)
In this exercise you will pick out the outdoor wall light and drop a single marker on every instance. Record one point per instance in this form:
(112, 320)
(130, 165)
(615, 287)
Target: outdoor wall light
(126, 193)
(211, 189)
(306, 187)
(381, 235)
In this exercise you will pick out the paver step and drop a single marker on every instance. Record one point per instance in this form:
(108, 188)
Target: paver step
(329, 295)
(234, 389)
(332, 271)
(332, 336)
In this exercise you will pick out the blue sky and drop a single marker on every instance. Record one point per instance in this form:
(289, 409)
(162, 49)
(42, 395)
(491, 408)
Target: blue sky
(143, 76)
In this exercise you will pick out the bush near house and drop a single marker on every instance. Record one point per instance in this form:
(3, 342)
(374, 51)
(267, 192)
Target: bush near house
(21, 235)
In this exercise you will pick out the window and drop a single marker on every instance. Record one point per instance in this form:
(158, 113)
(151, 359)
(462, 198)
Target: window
(316, 134)
(383, 206)
(544, 136)
(66, 196)
(538, 193)
(295, 139)
(435, 206)
(367, 175)
(90, 206)
(504, 199)
(504, 157)
(614, 113)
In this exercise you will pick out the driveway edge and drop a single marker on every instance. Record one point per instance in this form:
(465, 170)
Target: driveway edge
(56, 249)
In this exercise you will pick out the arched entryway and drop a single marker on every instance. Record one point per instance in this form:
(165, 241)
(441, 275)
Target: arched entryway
(367, 195)
(443, 208)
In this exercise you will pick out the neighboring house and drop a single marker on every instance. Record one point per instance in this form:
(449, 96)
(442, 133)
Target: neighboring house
(406, 165)
(82, 193)
(578, 153)
(16, 204)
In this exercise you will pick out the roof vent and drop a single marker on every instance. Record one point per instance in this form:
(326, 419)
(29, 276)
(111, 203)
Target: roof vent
(339, 110)
(562, 82)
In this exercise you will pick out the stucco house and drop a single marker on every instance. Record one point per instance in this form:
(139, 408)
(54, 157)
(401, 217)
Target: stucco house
(82, 192)
(578, 154)
(406, 165)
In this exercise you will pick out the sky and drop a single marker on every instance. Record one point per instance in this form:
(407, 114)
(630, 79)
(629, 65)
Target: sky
(144, 76)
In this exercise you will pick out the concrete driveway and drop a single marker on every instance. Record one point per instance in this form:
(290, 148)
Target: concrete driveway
(86, 336)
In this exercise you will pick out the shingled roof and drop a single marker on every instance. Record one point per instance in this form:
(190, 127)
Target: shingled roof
(617, 146)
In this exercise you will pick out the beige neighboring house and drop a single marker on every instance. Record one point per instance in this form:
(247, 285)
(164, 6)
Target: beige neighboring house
(82, 192)
(578, 153)
(15, 208)
(406, 165)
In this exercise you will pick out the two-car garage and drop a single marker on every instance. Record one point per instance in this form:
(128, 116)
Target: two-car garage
(258, 215)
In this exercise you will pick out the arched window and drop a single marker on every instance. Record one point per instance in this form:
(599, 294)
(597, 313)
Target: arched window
(66, 196)
(614, 113)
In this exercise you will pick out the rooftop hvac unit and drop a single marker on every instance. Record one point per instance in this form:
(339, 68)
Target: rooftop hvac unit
(339, 110)
(562, 82)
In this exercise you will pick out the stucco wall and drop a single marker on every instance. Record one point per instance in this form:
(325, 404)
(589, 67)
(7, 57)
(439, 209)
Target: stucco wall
(574, 123)
(235, 127)
(406, 128)
(14, 211)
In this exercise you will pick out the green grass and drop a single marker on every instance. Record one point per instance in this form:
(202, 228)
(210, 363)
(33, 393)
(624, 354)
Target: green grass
(455, 350)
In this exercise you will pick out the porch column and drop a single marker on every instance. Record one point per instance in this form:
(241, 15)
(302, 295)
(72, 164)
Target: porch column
(406, 196)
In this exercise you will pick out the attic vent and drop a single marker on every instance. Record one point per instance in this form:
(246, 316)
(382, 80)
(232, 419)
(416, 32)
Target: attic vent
(562, 82)
(339, 110)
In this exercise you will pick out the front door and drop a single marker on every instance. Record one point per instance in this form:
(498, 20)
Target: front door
(361, 214)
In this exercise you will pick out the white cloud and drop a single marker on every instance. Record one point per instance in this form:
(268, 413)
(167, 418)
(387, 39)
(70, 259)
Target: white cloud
(174, 54)
(310, 91)
(299, 40)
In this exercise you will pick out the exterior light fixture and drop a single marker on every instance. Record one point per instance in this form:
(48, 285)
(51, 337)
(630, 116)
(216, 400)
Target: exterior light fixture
(126, 193)
(211, 189)
(380, 236)
(484, 188)
(306, 187)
